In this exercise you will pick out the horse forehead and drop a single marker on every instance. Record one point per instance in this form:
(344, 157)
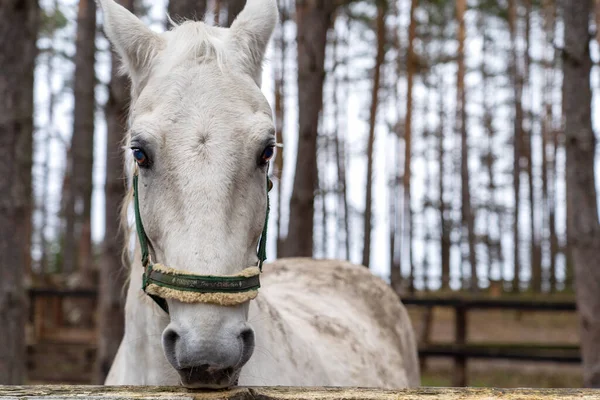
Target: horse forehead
(198, 92)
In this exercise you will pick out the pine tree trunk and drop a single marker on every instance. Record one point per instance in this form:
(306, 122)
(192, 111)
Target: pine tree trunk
(445, 229)
(343, 195)
(394, 229)
(488, 124)
(340, 149)
(66, 227)
(582, 207)
(554, 244)
(467, 216)
(78, 246)
(234, 7)
(69, 246)
(546, 129)
(44, 260)
(111, 319)
(379, 58)
(518, 135)
(321, 245)
(18, 32)
(336, 210)
(535, 249)
(597, 19)
(279, 115)
(429, 141)
(344, 223)
(547, 142)
(406, 179)
(313, 19)
(186, 9)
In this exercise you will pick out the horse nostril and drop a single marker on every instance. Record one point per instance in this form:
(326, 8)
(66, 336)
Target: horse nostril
(247, 337)
(170, 339)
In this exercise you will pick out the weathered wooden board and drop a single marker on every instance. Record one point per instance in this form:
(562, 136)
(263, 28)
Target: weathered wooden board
(285, 393)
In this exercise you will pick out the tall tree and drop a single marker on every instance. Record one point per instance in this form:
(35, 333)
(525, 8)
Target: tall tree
(55, 21)
(186, 9)
(394, 231)
(582, 207)
(428, 149)
(548, 176)
(78, 241)
(334, 105)
(111, 319)
(321, 246)
(379, 58)
(411, 66)
(18, 34)
(597, 15)
(313, 19)
(488, 158)
(234, 7)
(445, 223)
(467, 215)
(280, 85)
(529, 141)
(517, 82)
(341, 85)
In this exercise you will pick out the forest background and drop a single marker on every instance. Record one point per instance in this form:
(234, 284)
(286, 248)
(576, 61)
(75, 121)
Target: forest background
(425, 139)
(492, 45)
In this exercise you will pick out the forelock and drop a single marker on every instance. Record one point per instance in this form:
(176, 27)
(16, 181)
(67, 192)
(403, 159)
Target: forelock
(194, 41)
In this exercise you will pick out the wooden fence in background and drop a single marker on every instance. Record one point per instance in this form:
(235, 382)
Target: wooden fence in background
(461, 350)
(57, 347)
(61, 335)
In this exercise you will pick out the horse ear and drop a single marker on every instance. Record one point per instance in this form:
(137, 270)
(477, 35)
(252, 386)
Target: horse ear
(252, 31)
(134, 42)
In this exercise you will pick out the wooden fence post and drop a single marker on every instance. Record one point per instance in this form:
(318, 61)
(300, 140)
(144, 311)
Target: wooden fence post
(460, 332)
(425, 336)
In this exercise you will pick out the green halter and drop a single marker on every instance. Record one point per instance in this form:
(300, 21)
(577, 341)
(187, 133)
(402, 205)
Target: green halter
(161, 282)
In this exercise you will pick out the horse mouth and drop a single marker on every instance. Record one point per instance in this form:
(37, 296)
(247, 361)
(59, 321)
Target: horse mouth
(204, 377)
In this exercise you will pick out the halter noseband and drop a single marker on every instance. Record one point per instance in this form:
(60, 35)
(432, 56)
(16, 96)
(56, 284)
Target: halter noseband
(161, 282)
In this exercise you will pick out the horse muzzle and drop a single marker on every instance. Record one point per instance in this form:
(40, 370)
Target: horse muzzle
(207, 377)
(208, 362)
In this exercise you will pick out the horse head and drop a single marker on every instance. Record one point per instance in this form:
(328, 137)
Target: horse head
(200, 137)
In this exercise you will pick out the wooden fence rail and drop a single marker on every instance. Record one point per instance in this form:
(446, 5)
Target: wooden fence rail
(537, 303)
(285, 393)
(461, 350)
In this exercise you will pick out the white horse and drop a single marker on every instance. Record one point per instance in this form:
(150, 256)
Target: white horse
(201, 134)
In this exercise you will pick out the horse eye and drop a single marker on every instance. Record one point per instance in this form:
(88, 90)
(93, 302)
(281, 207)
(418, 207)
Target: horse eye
(140, 157)
(267, 154)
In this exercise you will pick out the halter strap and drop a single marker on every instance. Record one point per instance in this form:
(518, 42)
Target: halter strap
(138, 222)
(262, 245)
(224, 290)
